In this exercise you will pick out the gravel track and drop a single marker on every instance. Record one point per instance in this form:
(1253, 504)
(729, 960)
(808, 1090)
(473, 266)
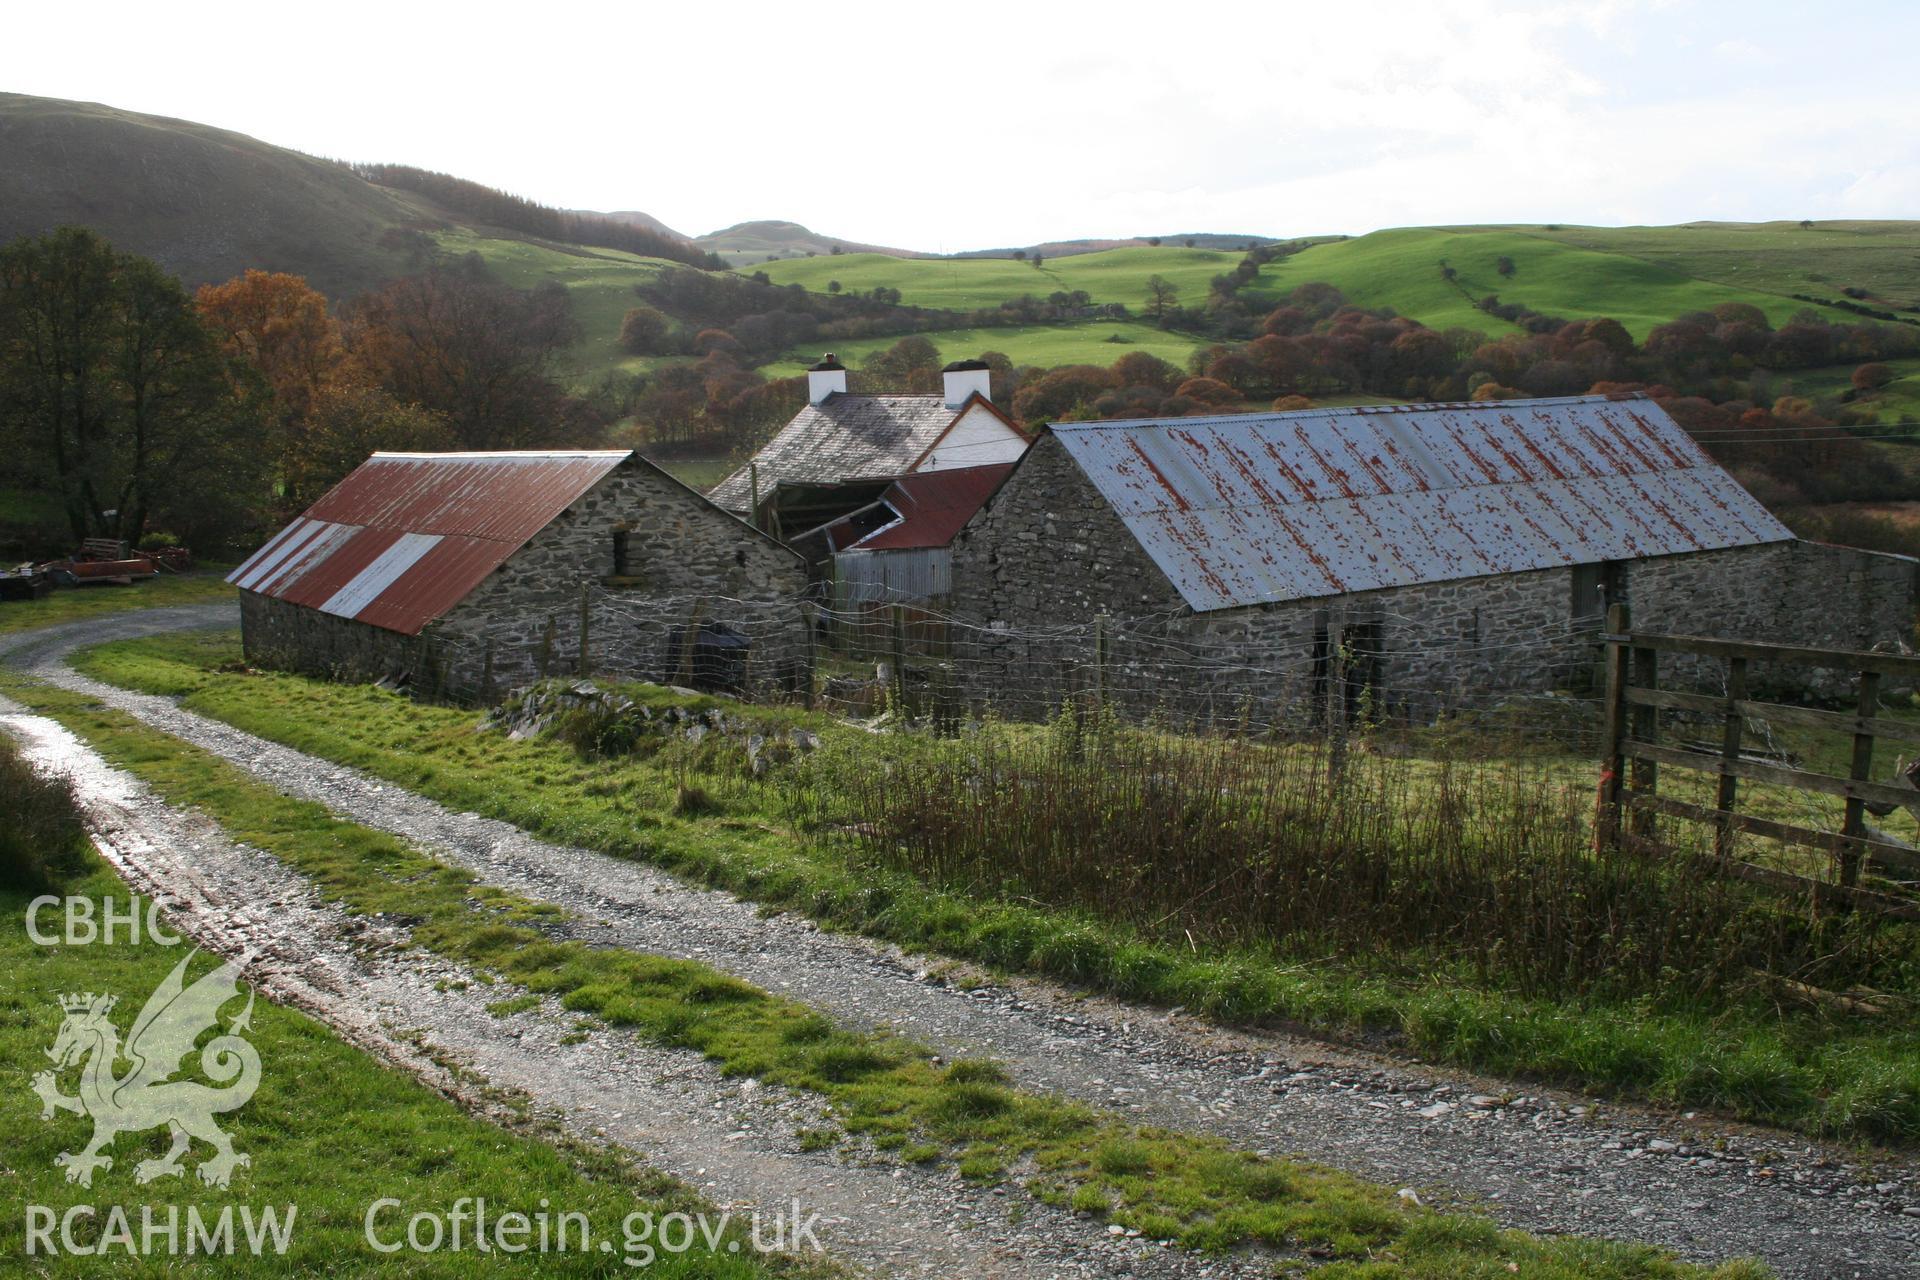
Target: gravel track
(1536, 1159)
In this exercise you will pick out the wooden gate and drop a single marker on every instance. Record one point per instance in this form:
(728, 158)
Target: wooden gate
(1634, 755)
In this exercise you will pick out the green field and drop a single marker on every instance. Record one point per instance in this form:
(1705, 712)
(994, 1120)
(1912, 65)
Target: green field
(1401, 269)
(600, 281)
(1899, 401)
(1040, 344)
(1641, 276)
(1777, 257)
(1114, 275)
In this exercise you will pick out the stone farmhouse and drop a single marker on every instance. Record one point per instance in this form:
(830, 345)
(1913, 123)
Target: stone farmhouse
(841, 451)
(466, 574)
(1408, 558)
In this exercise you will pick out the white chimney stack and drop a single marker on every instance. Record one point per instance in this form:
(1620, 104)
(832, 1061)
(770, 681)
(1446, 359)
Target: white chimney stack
(963, 378)
(825, 378)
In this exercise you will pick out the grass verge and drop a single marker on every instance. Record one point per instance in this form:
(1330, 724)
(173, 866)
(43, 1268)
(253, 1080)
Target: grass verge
(1801, 1068)
(406, 1142)
(76, 604)
(1175, 1186)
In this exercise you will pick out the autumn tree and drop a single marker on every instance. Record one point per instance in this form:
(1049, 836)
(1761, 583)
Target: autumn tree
(643, 332)
(348, 423)
(481, 355)
(910, 365)
(1144, 369)
(1209, 391)
(1061, 392)
(280, 325)
(1871, 377)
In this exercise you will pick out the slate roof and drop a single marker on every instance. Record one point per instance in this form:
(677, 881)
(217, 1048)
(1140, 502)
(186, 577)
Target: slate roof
(1255, 508)
(844, 437)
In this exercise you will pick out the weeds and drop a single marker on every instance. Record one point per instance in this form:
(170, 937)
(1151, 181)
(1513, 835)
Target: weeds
(1486, 865)
(43, 842)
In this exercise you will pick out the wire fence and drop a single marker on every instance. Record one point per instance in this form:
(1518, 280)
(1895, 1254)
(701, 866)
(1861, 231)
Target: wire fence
(1255, 673)
(1251, 671)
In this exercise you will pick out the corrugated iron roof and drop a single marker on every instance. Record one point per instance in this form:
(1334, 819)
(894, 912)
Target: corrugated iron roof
(1255, 508)
(930, 506)
(407, 536)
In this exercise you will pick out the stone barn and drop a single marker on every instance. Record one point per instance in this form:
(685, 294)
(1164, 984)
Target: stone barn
(465, 574)
(1405, 559)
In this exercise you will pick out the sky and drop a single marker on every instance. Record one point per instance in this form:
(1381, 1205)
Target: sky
(990, 124)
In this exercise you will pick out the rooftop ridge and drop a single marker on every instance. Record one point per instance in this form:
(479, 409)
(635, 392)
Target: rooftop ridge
(1344, 411)
(457, 454)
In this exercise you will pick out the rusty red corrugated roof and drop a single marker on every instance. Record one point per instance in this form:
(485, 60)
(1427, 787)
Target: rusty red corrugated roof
(1262, 507)
(407, 536)
(931, 506)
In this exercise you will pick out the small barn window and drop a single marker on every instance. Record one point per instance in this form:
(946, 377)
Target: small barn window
(621, 567)
(1595, 586)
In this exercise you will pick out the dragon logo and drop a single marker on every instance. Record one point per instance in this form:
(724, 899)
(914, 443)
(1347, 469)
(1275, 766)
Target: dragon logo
(145, 1096)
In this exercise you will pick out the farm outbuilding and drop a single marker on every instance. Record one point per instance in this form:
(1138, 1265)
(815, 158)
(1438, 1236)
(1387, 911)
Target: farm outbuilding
(841, 451)
(1424, 556)
(897, 550)
(469, 573)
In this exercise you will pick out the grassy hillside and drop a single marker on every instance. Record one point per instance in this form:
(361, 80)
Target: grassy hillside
(1039, 344)
(1114, 275)
(203, 202)
(1899, 401)
(1401, 269)
(600, 282)
(1882, 258)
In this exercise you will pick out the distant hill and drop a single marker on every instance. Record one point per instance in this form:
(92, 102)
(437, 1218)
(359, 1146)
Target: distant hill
(203, 202)
(636, 218)
(1187, 240)
(747, 243)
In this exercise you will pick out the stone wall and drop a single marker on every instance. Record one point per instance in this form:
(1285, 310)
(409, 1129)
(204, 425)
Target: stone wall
(688, 566)
(295, 638)
(1047, 557)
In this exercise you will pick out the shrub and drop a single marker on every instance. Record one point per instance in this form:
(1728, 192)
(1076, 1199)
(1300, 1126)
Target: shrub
(43, 841)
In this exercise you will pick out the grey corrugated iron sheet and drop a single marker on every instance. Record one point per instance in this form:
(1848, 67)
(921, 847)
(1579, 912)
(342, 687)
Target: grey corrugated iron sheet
(1257, 508)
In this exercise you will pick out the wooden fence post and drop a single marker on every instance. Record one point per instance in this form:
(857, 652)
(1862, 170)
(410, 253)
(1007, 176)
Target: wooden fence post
(1613, 756)
(1645, 720)
(1337, 702)
(486, 673)
(900, 660)
(1100, 661)
(1856, 823)
(689, 638)
(806, 672)
(586, 619)
(546, 648)
(1729, 788)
